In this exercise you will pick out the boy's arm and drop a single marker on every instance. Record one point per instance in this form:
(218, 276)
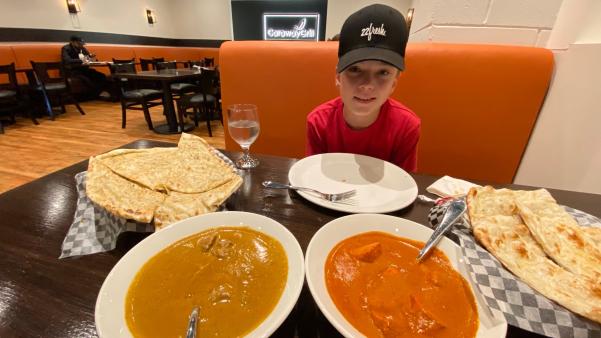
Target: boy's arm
(315, 142)
(406, 157)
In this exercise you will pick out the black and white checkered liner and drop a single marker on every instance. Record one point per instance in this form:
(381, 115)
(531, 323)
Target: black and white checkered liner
(506, 295)
(96, 230)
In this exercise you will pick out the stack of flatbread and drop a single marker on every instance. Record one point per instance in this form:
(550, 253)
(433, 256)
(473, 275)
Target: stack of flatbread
(542, 244)
(163, 185)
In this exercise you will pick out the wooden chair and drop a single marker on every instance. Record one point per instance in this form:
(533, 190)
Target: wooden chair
(191, 63)
(133, 97)
(51, 82)
(150, 64)
(9, 94)
(203, 103)
(132, 60)
(179, 88)
(209, 62)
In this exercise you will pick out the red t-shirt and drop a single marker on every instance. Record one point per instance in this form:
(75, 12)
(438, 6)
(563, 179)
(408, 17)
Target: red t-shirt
(392, 137)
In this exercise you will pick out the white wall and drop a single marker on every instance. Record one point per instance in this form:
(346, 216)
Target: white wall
(564, 151)
(513, 22)
(203, 19)
(188, 19)
(339, 10)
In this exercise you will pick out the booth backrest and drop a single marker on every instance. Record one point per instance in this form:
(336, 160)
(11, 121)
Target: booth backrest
(23, 53)
(477, 103)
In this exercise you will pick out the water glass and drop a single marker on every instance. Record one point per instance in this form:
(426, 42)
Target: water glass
(243, 125)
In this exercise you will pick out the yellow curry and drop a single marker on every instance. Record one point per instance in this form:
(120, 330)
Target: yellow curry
(380, 288)
(234, 274)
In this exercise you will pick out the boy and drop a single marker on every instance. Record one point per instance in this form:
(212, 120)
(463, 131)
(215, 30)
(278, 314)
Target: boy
(364, 120)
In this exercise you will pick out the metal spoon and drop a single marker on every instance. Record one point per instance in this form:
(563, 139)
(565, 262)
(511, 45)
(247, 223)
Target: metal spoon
(193, 319)
(453, 213)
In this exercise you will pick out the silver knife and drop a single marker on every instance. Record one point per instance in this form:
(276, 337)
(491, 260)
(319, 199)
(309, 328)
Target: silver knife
(453, 213)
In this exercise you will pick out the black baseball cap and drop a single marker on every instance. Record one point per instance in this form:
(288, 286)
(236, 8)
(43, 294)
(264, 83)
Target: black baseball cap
(76, 38)
(375, 32)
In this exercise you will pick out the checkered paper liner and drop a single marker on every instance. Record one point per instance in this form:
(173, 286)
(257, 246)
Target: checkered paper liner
(507, 295)
(94, 229)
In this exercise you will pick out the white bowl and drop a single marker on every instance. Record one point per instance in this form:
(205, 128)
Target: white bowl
(110, 305)
(339, 229)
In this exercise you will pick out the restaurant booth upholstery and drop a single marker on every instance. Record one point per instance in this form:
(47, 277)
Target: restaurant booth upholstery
(477, 103)
(22, 53)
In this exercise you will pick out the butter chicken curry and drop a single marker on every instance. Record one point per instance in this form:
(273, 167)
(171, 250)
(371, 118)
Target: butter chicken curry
(377, 284)
(234, 274)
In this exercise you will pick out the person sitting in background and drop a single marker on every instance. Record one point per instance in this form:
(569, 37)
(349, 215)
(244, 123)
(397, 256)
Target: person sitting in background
(364, 119)
(74, 56)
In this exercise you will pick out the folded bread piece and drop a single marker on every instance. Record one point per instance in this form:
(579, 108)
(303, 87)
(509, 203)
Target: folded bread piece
(560, 236)
(497, 225)
(164, 184)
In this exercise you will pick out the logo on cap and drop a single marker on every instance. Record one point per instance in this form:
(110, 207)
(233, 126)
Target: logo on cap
(368, 31)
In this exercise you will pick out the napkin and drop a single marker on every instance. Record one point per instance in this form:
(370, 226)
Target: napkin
(448, 186)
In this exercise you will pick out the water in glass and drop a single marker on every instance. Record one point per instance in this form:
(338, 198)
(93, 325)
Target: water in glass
(243, 126)
(244, 132)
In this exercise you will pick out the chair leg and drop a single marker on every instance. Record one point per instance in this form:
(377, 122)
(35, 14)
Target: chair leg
(32, 116)
(123, 115)
(61, 103)
(1, 128)
(180, 115)
(77, 105)
(147, 115)
(196, 112)
(208, 120)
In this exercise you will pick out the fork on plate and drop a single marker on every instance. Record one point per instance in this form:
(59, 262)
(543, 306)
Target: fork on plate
(329, 197)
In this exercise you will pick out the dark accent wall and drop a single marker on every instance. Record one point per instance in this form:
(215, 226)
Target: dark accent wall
(55, 35)
(247, 15)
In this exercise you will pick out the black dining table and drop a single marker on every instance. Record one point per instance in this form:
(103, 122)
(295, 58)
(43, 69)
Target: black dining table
(43, 296)
(166, 77)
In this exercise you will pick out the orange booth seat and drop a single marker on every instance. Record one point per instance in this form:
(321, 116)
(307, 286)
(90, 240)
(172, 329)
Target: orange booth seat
(477, 103)
(21, 53)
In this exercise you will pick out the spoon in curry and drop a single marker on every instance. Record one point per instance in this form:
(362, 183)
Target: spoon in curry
(455, 210)
(192, 322)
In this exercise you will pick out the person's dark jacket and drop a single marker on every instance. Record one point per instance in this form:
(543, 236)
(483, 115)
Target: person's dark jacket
(70, 54)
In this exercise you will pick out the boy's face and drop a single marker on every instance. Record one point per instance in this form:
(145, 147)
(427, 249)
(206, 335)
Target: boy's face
(366, 85)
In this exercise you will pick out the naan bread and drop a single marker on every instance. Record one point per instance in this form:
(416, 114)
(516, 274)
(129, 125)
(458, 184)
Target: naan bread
(120, 196)
(560, 236)
(498, 227)
(594, 235)
(199, 169)
(164, 184)
(148, 167)
(178, 206)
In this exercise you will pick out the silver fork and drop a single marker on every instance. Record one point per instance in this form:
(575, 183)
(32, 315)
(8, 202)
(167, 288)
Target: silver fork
(330, 197)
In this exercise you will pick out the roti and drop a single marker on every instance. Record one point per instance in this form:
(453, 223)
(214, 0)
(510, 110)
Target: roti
(161, 184)
(178, 206)
(120, 196)
(148, 167)
(560, 236)
(497, 225)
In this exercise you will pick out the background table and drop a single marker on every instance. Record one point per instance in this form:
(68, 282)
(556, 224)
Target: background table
(42, 296)
(166, 77)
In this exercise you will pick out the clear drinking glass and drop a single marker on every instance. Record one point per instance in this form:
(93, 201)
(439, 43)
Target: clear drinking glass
(243, 125)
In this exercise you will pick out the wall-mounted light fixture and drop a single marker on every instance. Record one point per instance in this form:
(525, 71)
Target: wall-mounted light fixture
(152, 19)
(73, 6)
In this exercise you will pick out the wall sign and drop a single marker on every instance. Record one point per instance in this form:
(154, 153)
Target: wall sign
(291, 26)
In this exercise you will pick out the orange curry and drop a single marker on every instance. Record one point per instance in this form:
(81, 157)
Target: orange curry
(235, 275)
(380, 288)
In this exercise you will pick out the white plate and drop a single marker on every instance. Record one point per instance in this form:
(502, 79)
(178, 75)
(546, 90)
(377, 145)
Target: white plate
(326, 238)
(110, 305)
(381, 186)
